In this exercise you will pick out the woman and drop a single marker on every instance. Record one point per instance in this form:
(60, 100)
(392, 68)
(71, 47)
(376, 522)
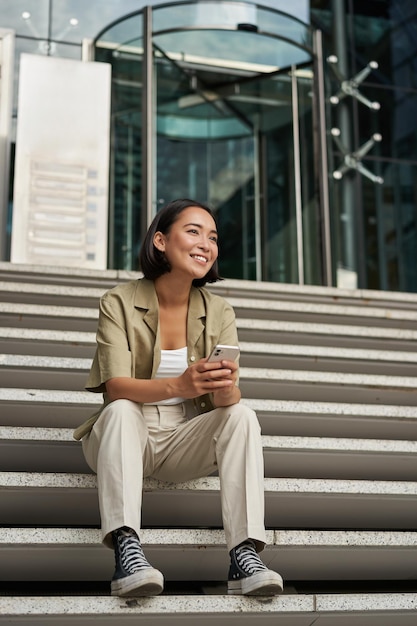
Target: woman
(167, 412)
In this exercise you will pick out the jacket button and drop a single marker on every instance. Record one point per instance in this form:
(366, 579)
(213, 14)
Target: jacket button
(203, 404)
(192, 358)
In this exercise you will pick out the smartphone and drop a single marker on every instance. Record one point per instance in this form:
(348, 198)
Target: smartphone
(224, 353)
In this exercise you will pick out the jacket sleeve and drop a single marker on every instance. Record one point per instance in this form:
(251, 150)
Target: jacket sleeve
(113, 356)
(221, 324)
(228, 335)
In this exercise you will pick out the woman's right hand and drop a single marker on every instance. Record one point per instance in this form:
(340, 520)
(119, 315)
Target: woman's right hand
(203, 377)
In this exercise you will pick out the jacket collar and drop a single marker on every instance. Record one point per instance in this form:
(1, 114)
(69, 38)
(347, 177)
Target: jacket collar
(146, 299)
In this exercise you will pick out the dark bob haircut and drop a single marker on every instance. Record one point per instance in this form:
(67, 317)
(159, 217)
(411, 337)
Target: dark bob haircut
(153, 262)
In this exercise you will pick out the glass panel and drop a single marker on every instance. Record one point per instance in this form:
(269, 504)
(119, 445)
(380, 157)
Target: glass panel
(395, 121)
(203, 14)
(280, 246)
(387, 35)
(231, 16)
(121, 33)
(280, 230)
(67, 50)
(74, 20)
(242, 49)
(124, 53)
(390, 216)
(283, 25)
(29, 18)
(203, 152)
(238, 50)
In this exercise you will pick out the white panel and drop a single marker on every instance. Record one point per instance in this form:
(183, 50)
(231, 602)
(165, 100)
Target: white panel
(62, 163)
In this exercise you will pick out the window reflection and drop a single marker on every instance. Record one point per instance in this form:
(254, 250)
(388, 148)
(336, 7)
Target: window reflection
(72, 20)
(391, 229)
(28, 18)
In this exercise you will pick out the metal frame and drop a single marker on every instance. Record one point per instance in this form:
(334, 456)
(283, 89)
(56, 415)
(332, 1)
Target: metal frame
(323, 169)
(297, 176)
(147, 212)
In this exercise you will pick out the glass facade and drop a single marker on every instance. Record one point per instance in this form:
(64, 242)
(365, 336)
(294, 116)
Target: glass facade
(240, 119)
(226, 86)
(375, 225)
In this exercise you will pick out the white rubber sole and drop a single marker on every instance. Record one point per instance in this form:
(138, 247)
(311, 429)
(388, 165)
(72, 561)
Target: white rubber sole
(267, 583)
(148, 582)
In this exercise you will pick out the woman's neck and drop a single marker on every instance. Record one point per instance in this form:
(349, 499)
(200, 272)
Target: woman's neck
(173, 301)
(171, 292)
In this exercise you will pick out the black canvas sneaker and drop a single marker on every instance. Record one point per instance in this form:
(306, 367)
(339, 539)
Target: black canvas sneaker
(249, 576)
(133, 576)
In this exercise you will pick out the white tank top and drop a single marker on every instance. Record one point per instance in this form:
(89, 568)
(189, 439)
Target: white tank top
(173, 363)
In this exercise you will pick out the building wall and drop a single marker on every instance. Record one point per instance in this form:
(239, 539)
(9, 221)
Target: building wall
(374, 226)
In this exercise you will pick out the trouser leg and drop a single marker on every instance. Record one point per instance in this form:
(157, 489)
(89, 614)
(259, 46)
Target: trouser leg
(117, 449)
(227, 439)
(241, 471)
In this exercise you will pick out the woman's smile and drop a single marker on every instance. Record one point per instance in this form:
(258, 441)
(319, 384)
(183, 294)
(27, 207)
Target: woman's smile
(200, 259)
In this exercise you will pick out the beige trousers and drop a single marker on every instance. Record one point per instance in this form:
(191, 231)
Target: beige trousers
(130, 441)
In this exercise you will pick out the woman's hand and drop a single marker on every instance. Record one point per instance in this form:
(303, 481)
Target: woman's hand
(198, 379)
(218, 378)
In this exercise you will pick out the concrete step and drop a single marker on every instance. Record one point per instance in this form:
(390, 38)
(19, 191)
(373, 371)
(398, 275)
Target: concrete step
(259, 308)
(323, 385)
(80, 319)
(47, 294)
(343, 336)
(47, 408)
(256, 308)
(327, 358)
(61, 554)
(83, 319)
(42, 274)
(54, 450)
(70, 374)
(71, 499)
(373, 609)
(43, 342)
(306, 353)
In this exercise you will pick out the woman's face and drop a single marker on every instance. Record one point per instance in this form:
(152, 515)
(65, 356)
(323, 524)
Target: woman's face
(191, 244)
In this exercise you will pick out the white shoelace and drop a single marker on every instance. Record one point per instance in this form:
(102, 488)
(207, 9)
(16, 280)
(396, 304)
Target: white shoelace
(131, 553)
(248, 559)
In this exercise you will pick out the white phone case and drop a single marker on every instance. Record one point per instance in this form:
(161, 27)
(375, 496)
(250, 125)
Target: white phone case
(224, 353)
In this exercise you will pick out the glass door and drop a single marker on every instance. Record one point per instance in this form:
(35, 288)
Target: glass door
(245, 146)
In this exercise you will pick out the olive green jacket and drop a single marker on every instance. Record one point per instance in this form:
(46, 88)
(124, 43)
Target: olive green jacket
(128, 337)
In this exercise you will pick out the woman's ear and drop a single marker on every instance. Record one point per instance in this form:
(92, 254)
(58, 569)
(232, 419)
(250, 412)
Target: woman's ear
(159, 241)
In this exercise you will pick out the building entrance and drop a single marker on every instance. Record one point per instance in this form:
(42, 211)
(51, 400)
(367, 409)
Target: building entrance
(218, 106)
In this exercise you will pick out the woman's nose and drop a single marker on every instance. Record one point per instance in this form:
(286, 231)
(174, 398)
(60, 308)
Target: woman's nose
(204, 243)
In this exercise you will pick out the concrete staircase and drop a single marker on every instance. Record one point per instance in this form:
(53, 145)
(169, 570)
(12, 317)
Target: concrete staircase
(332, 375)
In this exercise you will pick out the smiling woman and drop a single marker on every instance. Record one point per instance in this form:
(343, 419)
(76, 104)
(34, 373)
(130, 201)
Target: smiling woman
(154, 261)
(168, 412)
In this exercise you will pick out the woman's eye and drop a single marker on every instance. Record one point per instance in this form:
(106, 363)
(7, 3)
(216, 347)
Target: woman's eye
(214, 239)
